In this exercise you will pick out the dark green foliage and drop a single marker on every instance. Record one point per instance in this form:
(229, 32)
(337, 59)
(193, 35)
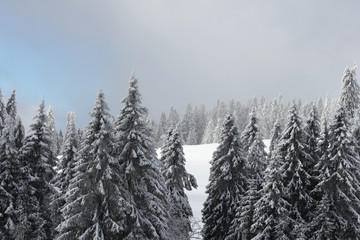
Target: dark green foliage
(177, 180)
(136, 153)
(95, 199)
(228, 183)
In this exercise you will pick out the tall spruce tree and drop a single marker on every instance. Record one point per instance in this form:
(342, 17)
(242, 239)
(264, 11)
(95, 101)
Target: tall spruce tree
(51, 126)
(95, 201)
(271, 211)
(11, 105)
(161, 129)
(312, 129)
(200, 119)
(185, 124)
(173, 118)
(2, 112)
(60, 141)
(275, 136)
(9, 179)
(66, 168)
(340, 183)
(324, 224)
(19, 133)
(249, 134)
(350, 91)
(292, 151)
(177, 179)
(137, 156)
(37, 163)
(228, 183)
(256, 157)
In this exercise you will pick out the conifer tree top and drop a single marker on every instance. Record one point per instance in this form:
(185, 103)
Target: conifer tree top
(350, 91)
(11, 105)
(251, 130)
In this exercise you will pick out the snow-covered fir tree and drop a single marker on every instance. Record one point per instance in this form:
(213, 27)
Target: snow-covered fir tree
(95, 201)
(11, 105)
(209, 132)
(60, 141)
(274, 137)
(257, 161)
(293, 157)
(185, 124)
(52, 127)
(144, 182)
(19, 133)
(350, 91)
(323, 225)
(193, 135)
(200, 119)
(2, 112)
(251, 130)
(37, 163)
(228, 183)
(173, 118)
(177, 179)
(240, 227)
(66, 168)
(312, 129)
(339, 174)
(161, 129)
(271, 211)
(9, 179)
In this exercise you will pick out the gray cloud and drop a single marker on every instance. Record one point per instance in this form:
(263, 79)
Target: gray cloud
(182, 51)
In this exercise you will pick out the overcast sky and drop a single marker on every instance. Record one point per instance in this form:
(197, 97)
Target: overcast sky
(181, 50)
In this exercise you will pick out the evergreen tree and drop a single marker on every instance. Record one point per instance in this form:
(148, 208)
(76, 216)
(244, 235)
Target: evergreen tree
(2, 112)
(192, 138)
(176, 180)
(95, 200)
(294, 158)
(173, 118)
(11, 105)
(340, 183)
(9, 180)
(60, 142)
(325, 114)
(271, 211)
(37, 163)
(161, 130)
(240, 228)
(137, 156)
(228, 183)
(66, 168)
(251, 130)
(324, 224)
(185, 124)
(312, 129)
(275, 137)
(53, 132)
(19, 133)
(350, 91)
(200, 119)
(209, 132)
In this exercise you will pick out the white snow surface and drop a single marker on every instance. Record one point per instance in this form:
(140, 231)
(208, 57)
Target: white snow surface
(198, 159)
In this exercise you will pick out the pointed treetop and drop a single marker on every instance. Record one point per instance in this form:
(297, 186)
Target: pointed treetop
(2, 111)
(350, 91)
(251, 130)
(11, 105)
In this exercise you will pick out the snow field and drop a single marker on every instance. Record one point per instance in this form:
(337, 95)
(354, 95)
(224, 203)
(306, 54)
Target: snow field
(198, 159)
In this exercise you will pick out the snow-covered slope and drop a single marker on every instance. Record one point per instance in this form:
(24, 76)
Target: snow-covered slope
(198, 159)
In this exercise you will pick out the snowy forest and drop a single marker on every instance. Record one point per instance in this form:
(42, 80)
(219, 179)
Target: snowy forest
(106, 181)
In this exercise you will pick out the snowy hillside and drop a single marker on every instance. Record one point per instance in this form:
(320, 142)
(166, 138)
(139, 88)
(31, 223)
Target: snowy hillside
(198, 163)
